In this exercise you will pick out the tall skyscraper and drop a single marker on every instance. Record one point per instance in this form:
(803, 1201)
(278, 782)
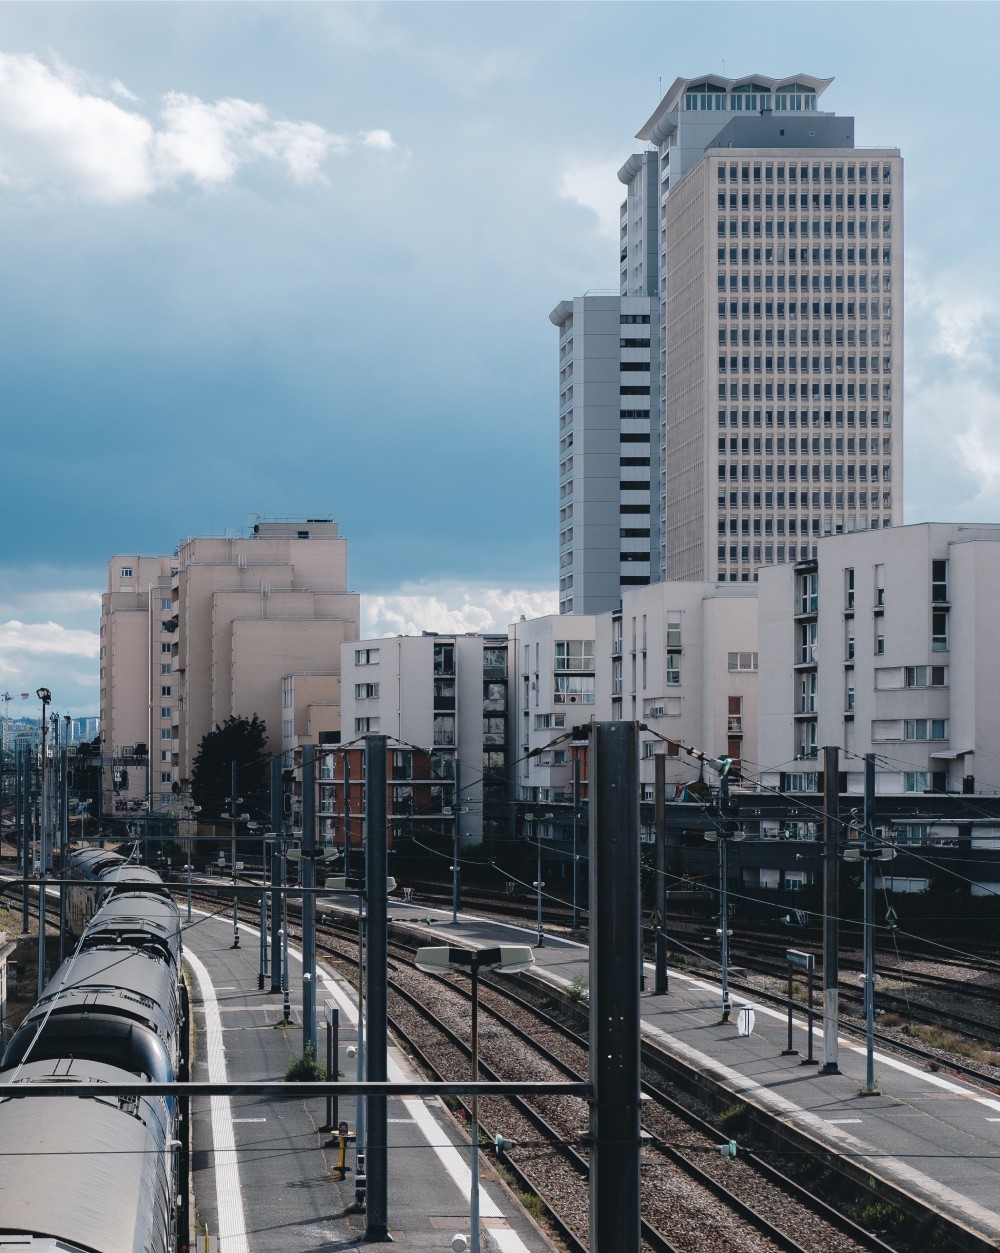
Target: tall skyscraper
(769, 250)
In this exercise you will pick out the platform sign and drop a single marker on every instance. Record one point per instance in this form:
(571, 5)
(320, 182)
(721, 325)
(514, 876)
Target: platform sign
(800, 961)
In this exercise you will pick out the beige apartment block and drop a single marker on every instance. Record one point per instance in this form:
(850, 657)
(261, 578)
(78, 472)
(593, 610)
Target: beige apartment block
(214, 632)
(133, 648)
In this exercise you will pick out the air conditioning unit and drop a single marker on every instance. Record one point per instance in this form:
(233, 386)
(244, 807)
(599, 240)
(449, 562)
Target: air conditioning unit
(656, 712)
(572, 699)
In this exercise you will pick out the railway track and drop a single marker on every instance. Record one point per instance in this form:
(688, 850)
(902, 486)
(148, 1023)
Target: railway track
(692, 1198)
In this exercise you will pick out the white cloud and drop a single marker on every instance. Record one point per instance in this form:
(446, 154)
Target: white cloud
(379, 139)
(952, 385)
(49, 619)
(959, 319)
(593, 184)
(450, 608)
(22, 639)
(59, 129)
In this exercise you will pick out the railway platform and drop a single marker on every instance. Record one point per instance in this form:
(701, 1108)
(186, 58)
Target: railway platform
(265, 1172)
(930, 1134)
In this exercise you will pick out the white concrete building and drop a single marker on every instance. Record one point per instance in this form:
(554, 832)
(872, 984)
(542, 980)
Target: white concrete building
(775, 287)
(609, 497)
(446, 694)
(887, 643)
(553, 689)
(681, 657)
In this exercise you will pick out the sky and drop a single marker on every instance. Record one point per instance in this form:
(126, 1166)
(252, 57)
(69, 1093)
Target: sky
(297, 260)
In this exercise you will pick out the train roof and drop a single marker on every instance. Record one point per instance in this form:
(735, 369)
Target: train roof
(93, 1178)
(90, 863)
(128, 915)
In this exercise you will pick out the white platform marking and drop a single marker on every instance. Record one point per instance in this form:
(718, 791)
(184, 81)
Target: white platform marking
(232, 1221)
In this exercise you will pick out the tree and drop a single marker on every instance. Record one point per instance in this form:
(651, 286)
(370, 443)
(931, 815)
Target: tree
(241, 740)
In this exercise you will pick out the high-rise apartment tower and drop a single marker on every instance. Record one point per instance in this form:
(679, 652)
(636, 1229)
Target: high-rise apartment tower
(770, 251)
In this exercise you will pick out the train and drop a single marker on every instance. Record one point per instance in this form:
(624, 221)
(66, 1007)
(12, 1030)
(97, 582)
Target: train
(101, 1174)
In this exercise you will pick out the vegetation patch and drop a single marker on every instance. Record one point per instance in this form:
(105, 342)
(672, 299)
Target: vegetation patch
(950, 1042)
(306, 1068)
(578, 990)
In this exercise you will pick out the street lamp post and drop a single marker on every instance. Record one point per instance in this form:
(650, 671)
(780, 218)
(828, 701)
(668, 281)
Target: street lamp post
(576, 820)
(727, 831)
(267, 843)
(45, 696)
(507, 958)
(869, 853)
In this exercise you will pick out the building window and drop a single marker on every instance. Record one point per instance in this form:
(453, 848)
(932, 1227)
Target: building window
(672, 674)
(126, 572)
(366, 691)
(572, 689)
(673, 631)
(444, 694)
(165, 667)
(164, 648)
(806, 654)
(939, 631)
(544, 722)
(574, 655)
(444, 730)
(166, 691)
(165, 711)
(366, 656)
(807, 593)
(495, 696)
(939, 581)
(742, 661)
(164, 776)
(849, 589)
(925, 729)
(164, 733)
(165, 605)
(925, 676)
(444, 658)
(361, 725)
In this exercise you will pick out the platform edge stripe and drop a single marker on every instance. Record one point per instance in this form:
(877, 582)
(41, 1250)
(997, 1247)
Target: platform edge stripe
(232, 1220)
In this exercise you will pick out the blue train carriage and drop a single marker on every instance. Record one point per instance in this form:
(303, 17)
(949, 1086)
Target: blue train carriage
(86, 1176)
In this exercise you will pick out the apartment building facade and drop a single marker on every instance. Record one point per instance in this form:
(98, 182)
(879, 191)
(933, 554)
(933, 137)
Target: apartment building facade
(213, 632)
(773, 260)
(445, 699)
(885, 644)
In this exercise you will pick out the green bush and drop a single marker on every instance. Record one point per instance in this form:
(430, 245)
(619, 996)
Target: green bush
(305, 1068)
